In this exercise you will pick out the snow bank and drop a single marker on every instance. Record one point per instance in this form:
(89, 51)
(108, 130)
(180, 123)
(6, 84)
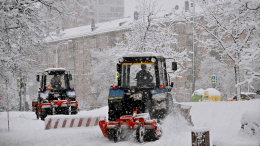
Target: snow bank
(199, 92)
(222, 118)
(251, 124)
(213, 92)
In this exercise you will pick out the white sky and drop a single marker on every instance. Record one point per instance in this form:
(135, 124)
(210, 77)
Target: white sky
(166, 5)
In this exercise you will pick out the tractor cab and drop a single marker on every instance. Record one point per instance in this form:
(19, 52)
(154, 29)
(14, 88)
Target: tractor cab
(146, 72)
(143, 83)
(55, 79)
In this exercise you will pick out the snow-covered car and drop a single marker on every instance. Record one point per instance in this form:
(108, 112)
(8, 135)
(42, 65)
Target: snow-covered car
(245, 96)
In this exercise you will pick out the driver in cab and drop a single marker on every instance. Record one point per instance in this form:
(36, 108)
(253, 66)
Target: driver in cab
(56, 82)
(143, 77)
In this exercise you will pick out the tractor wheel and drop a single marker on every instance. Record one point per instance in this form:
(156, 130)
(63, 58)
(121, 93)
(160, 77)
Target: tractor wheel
(43, 116)
(140, 133)
(110, 134)
(150, 135)
(116, 133)
(37, 115)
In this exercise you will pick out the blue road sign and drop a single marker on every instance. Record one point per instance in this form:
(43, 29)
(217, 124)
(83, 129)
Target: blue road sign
(18, 84)
(213, 79)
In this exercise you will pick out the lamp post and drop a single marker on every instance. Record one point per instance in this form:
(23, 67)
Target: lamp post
(193, 49)
(57, 46)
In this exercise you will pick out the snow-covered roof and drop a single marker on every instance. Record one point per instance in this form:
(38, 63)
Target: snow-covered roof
(213, 92)
(141, 54)
(86, 30)
(55, 69)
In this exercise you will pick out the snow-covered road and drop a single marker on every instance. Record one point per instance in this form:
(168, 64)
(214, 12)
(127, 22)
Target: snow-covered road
(222, 118)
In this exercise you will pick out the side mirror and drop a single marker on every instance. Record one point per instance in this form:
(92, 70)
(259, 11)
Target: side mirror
(174, 66)
(70, 77)
(38, 78)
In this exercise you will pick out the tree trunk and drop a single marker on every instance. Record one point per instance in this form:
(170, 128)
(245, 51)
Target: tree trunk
(237, 80)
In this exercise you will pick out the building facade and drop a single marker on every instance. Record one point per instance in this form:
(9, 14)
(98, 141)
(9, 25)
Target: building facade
(94, 10)
(74, 47)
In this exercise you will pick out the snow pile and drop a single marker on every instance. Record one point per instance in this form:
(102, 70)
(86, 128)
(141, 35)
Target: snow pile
(251, 123)
(213, 92)
(199, 92)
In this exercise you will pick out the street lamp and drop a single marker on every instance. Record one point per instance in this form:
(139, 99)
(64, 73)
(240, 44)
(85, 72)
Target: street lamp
(57, 46)
(193, 49)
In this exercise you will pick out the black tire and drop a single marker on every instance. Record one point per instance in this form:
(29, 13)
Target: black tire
(36, 110)
(150, 135)
(37, 115)
(42, 118)
(110, 134)
(116, 133)
(140, 133)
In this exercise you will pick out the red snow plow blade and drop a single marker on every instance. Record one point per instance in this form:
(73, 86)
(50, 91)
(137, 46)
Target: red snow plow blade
(146, 129)
(59, 107)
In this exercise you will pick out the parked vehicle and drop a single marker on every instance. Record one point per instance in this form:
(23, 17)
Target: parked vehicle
(211, 94)
(245, 96)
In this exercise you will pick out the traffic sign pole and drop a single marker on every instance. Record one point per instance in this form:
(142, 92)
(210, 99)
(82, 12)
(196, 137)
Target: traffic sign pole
(213, 80)
(7, 104)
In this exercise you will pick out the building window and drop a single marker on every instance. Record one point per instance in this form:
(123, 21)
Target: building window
(123, 37)
(180, 84)
(71, 63)
(100, 40)
(107, 39)
(93, 43)
(82, 90)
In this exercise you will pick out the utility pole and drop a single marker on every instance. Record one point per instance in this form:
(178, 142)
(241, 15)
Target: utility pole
(193, 49)
(7, 104)
(20, 87)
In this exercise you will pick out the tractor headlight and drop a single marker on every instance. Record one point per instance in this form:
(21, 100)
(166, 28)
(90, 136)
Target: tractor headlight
(137, 96)
(71, 93)
(159, 96)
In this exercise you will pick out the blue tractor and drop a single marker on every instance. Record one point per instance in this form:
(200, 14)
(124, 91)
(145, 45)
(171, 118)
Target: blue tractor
(143, 84)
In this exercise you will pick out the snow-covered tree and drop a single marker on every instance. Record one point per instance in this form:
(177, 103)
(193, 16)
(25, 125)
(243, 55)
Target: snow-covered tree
(24, 25)
(149, 33)
(231, 29)
(225, 77)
